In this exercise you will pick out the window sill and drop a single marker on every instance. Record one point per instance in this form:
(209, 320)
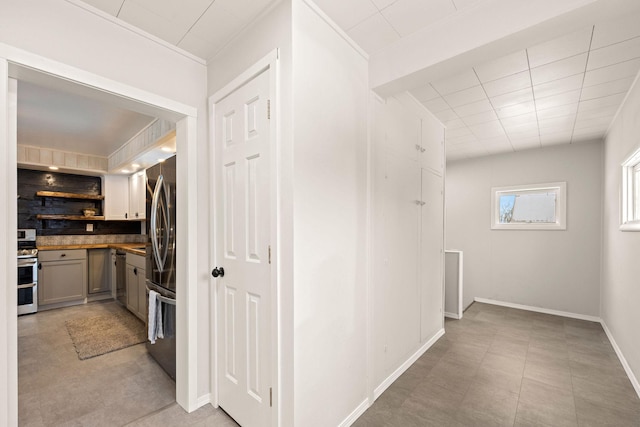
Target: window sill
(630, 226)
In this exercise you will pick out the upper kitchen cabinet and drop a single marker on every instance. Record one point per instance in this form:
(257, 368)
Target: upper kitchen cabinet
(137, 195)
(116, 201)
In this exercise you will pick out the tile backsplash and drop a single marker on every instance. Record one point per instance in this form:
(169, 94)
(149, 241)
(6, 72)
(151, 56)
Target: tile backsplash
(90, 239)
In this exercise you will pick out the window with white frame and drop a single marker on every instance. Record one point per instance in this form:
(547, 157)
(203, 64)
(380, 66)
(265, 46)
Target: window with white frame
(630, 209)
(529, 207)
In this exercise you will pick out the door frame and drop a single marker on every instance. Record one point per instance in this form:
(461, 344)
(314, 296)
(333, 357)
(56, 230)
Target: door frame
(270, 63)
(14, 61)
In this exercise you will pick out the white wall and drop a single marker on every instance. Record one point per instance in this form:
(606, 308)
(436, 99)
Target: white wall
(557, 270)
(68, 34)
(620, 266)
(330, 96)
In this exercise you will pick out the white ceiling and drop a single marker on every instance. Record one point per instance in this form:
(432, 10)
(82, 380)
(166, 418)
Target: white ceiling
(200, 27)
(66, 121)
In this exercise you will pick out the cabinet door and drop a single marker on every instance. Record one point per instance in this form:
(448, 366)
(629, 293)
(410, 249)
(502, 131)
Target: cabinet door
(132, 288)
(142, 295)
(116, 197)
(432, 141)
(62, 281)
(98, 260)
(137, 194)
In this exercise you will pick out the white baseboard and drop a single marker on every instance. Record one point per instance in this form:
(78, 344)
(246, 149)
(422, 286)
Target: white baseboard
(362, 407)
(540, 310)
(623, 361)
(452, 315)
(415, 356)
(203, 400)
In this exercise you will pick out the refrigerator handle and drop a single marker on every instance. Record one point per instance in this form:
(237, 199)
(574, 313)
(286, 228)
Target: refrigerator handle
(154, 223)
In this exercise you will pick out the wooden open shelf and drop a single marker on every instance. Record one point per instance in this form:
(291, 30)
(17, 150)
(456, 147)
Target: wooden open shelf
(69, 195)
(71, 217)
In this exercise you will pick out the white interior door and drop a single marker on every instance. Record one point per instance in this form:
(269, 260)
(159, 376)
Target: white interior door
(243, 250)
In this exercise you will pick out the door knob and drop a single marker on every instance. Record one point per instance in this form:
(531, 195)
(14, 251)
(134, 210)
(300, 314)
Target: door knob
(217, 272)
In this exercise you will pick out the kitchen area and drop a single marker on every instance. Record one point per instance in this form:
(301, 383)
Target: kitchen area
(94, 241)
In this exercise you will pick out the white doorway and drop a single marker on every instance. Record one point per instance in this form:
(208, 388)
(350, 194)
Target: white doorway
(244, 237)
(22, 65)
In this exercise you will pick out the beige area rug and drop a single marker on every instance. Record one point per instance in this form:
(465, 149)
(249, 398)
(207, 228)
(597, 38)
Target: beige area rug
(94, 336)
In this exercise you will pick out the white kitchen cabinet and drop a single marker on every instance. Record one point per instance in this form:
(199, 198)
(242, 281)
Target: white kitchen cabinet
(137, 195)
(62, 276)
(116, 197)
(136, 285)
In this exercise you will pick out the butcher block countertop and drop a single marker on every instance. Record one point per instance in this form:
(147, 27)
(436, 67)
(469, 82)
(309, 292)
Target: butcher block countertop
(133, 248)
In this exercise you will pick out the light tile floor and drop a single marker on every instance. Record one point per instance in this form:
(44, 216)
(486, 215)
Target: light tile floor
(505, 367)
(125, 387)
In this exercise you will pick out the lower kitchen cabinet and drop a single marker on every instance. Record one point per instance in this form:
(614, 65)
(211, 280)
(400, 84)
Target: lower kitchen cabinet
(62, 276)
(99, 270)
(136, 286)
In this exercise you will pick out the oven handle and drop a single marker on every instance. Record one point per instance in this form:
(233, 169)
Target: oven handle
(22, 263)
(28, 285)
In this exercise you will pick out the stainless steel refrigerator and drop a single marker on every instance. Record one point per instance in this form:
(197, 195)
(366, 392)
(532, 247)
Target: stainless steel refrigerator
(161, 257)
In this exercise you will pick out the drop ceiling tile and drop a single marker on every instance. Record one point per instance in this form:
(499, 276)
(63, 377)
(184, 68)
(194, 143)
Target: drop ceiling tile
(424, 93)
(436, 105)
(446, 115)
(546, 132)
(373, 33)
(217, 25)
(244, 9)
(112, 7)
(524, 119)
(558, 100)
(498, 148)
(614, 54)
(560, 48)
(557, 122)
(487, 116)
(347, 14)
(502, 139)
(457, 133)
(563, 110)
(508, 84)
(592, 114)
(555, 139)
(466, 96)
(502, 67)
(381, 4)
(487, 130)
(521, 144)
(473, 108)
(408, 16)
(198, 46)
(559, 69)
(590, 131)
(465, 139)
(454, 124)
(456, 83)
(556, 87)
(613, 72)
(605, 101)
(606, 89)
(512, 98)
(523, 132)
(516, 110)
(597, 122)
(463, 4)
(614, 31)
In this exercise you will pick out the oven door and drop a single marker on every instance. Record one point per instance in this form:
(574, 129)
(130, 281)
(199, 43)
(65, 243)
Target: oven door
(27, 285)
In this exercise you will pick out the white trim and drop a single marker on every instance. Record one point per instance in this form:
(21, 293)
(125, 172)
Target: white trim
(406, 365)
(330, 22)
(102, 14)
(353, 416)
(460, 282)
(628, 198)
(623, 361)
(452, 315)
(203, 400)
(539, 309)
(268, 62)
(560, 209)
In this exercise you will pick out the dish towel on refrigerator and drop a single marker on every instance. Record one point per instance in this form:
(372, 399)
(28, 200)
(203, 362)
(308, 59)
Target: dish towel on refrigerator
(155, 317)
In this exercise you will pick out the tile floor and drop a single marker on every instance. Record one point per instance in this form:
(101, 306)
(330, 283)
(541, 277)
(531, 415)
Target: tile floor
(505, 367)
(125, 387)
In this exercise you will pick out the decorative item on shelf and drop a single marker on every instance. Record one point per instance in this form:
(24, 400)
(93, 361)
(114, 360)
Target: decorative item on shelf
(89, 212)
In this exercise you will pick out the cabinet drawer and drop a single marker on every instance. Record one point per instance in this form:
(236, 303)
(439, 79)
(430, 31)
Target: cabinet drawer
(136, 260)
(61, 255)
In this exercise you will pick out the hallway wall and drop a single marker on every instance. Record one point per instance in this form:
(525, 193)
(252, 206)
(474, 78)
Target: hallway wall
(558, 270)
